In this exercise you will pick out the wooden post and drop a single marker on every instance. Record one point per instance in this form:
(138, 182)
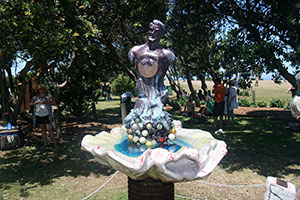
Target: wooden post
(253, 96)
(123, 112)
(94, 111)
(57, 121)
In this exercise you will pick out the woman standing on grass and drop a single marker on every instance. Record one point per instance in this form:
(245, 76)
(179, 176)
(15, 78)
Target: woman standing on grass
(232, 101)
(42, 113)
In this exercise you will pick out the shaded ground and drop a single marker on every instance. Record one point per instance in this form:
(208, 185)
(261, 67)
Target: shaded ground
(270, 113)
(258, 147)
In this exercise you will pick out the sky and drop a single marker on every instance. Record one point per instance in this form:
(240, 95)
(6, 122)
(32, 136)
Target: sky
(19, 65)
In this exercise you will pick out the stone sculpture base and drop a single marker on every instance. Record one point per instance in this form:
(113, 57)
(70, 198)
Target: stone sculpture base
(150, 189)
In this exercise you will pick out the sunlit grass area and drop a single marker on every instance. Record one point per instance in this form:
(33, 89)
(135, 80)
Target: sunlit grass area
(265, 91)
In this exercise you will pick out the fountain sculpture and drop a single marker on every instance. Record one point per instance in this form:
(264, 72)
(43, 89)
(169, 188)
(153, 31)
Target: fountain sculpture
(150, 144)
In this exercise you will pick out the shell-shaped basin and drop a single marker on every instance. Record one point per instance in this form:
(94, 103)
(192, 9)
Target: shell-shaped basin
(194, 156)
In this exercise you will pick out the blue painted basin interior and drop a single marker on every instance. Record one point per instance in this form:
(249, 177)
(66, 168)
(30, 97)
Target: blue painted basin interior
(130, 149)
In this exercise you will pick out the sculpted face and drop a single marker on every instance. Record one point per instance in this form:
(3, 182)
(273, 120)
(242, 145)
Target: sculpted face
(154, 32)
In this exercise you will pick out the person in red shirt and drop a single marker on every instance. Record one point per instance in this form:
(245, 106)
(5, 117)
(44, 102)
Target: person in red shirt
(218, 111)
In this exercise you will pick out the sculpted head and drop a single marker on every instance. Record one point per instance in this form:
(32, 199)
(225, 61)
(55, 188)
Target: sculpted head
(156, 30)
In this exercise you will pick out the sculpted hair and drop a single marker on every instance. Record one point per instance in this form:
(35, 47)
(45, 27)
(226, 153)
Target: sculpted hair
(159, 23)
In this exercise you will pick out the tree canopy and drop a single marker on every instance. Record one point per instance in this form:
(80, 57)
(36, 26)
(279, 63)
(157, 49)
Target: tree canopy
(81, 42)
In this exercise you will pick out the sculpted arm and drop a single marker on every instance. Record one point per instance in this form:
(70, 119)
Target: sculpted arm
(133, 53)
(131, 56)
(170, 56)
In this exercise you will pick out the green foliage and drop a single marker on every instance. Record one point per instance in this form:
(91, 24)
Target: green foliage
(262, 104)
(246, 93)
(83, 89)
(122, 84)
(82, 94)
(288, 106)
(253, 104)
(277, 103)
(244, 102)
(101, 33)
(202, 103)
(181, 101)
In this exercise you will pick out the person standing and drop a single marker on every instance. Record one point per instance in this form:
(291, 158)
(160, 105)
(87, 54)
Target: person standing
(42, 113)
(236, 84)
(104, 91)
(226, 106)
(189, 107)
(108, 90)
(219, 97)
(232, 101)
(201, 95)
(184, 93)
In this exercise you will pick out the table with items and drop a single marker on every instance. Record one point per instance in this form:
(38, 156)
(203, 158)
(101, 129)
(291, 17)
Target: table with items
(9, 137)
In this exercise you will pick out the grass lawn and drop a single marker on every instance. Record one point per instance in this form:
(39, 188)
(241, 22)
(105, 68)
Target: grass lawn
(264, 92)
(258, 147)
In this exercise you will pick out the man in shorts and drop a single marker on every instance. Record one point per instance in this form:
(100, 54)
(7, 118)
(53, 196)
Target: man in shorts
(218, 111)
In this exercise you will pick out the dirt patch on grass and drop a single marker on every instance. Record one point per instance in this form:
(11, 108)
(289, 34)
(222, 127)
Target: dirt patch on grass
(270, 113)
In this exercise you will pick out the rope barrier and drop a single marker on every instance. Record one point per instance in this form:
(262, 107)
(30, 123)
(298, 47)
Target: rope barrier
(185, 197)
(200, 181)
(243, 186)
(88, 196)
(291, 179)
(231, 186)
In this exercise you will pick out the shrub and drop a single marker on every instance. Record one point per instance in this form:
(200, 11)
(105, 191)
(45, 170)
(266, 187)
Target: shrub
(241, 93)
(246, 93)
(76, 97)
(277, 103)
(202, 102)
(181, 101)
(122, 84)
(262, 104)
(244, 103)
(288, 106)
(254, 105)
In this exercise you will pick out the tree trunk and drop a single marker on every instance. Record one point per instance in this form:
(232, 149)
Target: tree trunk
(203, 83)
(174, 73)
(94, 111)
(4, 93)
(190, 84)
(22, 88)
(57, 121)
(17, 109)
(175, 87)
(131, 74)
(289, 77)
(10, 81)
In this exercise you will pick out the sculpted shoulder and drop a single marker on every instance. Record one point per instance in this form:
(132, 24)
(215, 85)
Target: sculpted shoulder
(169, 55)
(132, 54)
(136, 48)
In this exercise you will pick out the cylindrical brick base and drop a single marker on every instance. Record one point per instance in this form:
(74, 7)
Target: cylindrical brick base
(150, 189)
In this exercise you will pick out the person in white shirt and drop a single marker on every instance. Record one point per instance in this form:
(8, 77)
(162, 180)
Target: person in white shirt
(232, 101)
(42, 113)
